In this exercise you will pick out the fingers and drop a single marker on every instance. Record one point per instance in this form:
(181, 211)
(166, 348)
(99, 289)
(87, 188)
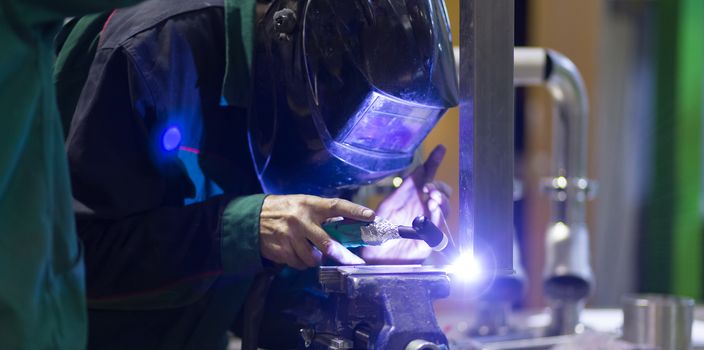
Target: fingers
(440, 186)
(306, 253)
(432, 164)
(283, 254)
(326, 208)
(437, 198)
(331, 248)
(288, 225)
(436, 212)
(438, 201)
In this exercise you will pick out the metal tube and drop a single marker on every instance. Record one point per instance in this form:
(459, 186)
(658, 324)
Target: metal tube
(486, 131)
(529, 66)
(543, 67)
(659, 320)
(570, 126)
(570, 141)
(568, 274)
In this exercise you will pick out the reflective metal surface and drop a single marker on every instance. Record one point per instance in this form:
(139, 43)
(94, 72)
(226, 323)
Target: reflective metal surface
(486, 131)
(568, 277)
(657, 320)
(379, 307)
(420, 344)
(571, 121)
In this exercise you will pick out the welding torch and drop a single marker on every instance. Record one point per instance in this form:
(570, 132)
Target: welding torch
(354, 233)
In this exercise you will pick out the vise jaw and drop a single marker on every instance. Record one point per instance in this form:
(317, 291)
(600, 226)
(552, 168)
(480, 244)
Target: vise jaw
(379, 307)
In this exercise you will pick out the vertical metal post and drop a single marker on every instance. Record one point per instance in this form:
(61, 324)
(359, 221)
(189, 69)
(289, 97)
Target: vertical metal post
(486, 131)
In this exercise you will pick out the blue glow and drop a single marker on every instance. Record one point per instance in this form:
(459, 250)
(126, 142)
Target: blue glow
(171, 138)
(466, 268)
(204, 186)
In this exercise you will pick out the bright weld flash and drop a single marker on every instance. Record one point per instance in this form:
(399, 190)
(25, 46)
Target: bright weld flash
(466, 268)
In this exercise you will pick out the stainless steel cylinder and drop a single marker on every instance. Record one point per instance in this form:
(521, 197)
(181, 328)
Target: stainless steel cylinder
(658, 320)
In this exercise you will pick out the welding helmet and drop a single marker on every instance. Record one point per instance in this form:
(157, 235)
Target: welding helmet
(346, 90)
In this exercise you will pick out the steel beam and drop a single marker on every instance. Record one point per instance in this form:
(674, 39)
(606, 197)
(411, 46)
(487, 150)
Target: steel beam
(487, 131)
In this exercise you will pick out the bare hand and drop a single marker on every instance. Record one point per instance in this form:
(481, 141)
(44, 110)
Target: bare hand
(418, 195)
(290, 231)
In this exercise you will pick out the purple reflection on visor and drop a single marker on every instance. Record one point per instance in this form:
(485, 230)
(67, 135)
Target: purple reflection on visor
(391, 125)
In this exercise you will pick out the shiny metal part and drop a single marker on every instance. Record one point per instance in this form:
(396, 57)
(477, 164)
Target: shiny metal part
(527, 344)
(529, 66)
(656, 320)
(307, 335)
(566, 86)
(362, 338)
(570, 125)
(495, 305)
(492, 319)
(486, 131)
(420, 344)
(331, 342)
(564, 316)
(336, 279)
(382, 307)
(379, 231)
(568, 277)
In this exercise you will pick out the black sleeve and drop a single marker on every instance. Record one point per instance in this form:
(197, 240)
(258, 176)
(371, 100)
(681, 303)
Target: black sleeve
(144, 247)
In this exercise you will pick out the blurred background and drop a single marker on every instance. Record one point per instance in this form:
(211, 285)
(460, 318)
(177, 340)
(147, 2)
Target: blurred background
(643, 64)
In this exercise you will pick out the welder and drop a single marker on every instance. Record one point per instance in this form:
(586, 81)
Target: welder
(208, 144)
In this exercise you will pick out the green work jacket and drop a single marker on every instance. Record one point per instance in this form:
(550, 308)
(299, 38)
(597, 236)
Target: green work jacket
(42, 303)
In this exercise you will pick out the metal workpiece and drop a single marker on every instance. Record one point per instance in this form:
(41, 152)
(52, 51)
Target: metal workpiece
(494, 307)
(564, 316)
(324, 341)
(380, 307)
(664, 322)
(486, 129)
(420, 344)
(526, 344)
(492, 319)
(567, 272)
(529, 66)
(569, 186)
(568, 277)
(337, 279)
(570, 126)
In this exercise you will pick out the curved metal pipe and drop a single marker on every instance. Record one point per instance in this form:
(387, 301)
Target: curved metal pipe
(570, 186)
(568, 277)
(570, 126)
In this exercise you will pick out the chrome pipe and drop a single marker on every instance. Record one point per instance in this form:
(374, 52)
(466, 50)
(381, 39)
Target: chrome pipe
(568, 277)
(486, 157)
(570, 186)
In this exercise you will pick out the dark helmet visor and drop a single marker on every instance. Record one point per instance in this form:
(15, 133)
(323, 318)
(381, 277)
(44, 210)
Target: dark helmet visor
(380, 73)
